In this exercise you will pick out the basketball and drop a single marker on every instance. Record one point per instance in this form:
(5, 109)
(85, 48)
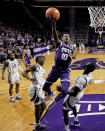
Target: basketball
(52, 13)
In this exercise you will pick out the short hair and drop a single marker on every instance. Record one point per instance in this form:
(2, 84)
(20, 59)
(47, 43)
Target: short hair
(65, 33)
(38, 58)
(90, 67)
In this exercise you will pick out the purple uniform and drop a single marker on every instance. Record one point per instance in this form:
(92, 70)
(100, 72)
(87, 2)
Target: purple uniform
(27, 57)
(61, 70)
(62, 59)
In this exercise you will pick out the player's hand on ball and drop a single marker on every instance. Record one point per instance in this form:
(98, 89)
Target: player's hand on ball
(53, 22)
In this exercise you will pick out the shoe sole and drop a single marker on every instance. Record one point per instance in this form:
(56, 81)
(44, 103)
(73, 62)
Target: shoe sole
(75, 125)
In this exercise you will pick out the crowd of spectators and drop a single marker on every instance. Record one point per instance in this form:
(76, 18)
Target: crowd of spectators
(14, 40)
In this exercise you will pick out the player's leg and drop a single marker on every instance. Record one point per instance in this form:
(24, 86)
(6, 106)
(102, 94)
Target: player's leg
(72, 101)
(65, 83)
(28, 63)
(76, 122)
(38, 113)
(43, 106)
(11, 92)
(64, 86)
(65, 115)
(17, 91)
(52, 77)
(11, 84)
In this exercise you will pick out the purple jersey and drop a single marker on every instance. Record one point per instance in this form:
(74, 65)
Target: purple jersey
(27, 57)
(62, 58)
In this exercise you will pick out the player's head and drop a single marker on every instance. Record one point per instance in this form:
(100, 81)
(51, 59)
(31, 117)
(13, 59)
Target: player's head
(66, 38)
(26, 47)
(40, 60)
(88, 67)
(12, 56)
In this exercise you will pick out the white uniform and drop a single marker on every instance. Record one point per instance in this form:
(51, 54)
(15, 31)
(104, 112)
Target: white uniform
(35, 90)
(13, 75)
(81, 82)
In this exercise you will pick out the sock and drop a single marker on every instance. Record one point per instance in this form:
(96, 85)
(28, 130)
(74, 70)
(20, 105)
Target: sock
(76, 118)
(67, 126)
(37, 124)
(11, 96)
(17, 94)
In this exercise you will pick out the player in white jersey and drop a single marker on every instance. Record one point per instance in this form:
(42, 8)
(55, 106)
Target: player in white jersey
(13, 75)
(35, 90)
(75, 93)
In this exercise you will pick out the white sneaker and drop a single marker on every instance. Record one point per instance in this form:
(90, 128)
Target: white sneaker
(67, 128)
(12, 99)
(19, 97)
(51, 104)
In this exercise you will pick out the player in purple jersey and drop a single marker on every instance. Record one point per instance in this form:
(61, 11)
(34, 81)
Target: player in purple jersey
(61, 69)
(27, 56)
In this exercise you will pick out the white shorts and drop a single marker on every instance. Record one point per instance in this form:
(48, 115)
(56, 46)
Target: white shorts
(70, 101)
(13, 78)
(36, 94)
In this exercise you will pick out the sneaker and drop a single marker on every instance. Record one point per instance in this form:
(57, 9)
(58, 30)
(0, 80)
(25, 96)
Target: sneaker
(51, 104)
(48, 96)
(75, 123)
(39, 127)
(67, 128)
(12, 99)
(19, 97)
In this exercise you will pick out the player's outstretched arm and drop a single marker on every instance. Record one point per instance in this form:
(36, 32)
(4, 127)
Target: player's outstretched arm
(54, 32)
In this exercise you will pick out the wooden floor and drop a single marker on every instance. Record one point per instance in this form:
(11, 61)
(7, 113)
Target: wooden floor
(18, 116)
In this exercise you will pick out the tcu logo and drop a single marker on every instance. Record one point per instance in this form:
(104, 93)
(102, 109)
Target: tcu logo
(78, 65)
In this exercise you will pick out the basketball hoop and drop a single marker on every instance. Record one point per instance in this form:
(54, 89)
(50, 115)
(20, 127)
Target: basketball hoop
(100, 32)
(97, 16)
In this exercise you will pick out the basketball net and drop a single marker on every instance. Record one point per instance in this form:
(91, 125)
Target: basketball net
(97, 16)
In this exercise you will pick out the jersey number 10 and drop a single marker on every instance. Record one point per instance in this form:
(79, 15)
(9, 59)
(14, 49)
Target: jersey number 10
(64, 56)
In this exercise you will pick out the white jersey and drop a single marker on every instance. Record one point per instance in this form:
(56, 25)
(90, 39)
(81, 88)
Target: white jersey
(39, 76)
(13, 75)
(81, 82)
(13, 66)
(35, 90)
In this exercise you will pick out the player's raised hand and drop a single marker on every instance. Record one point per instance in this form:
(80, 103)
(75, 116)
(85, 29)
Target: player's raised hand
(52, 21)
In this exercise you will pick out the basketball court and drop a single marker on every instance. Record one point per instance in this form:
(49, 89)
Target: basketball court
(19, 116)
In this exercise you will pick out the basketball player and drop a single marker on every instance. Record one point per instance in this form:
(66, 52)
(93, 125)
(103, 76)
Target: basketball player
(75, 93)
(35, 91)
(27, 56)
(61, 69)
(13, 75)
